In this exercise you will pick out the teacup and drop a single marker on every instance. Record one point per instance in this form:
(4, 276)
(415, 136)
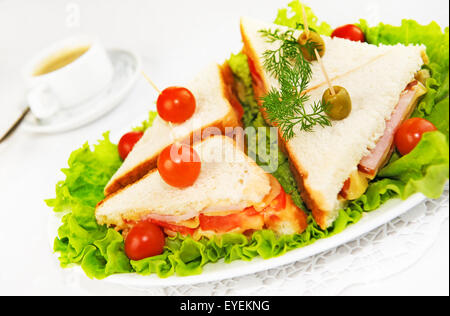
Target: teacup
(66, 74)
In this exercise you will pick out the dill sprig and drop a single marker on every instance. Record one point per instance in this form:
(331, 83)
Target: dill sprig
(301, 26)
(285, 107)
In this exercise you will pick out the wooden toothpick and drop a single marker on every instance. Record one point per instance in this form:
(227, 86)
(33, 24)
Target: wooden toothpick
(305, 21)
(150, 81)
(333, 92)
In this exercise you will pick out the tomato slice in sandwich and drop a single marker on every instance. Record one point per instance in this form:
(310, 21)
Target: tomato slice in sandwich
(174, 228)
(247, 219)
(279, 203)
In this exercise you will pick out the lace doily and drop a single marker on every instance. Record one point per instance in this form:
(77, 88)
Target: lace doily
(381, 253)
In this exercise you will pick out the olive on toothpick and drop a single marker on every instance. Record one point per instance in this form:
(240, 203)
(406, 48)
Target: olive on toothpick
(339, 104)
(310, 41)
(337, 99)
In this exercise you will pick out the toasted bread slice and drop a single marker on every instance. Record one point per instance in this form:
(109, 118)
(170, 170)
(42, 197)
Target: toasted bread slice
(322, 160)
(213, 110)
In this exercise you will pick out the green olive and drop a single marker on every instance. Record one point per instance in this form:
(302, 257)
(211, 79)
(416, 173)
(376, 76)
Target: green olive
(339, 105)
(308, 50)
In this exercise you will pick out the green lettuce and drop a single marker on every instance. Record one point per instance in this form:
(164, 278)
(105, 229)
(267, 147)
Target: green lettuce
(253, 118)
(80, 239)
(293, 16)
(146, 124)
(100, 251)
(424, 170)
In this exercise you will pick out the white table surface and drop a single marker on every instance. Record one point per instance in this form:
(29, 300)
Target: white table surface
(174, 38)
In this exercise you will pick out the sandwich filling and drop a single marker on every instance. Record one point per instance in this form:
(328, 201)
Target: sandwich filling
(230, 195)
(276, 212)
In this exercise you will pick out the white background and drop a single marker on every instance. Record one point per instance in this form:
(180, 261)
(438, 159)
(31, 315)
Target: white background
(175, 39)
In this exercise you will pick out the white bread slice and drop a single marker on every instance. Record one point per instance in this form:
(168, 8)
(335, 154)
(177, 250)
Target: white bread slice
(213, 109)
(228, 178)
(341, 56)
(323, 160)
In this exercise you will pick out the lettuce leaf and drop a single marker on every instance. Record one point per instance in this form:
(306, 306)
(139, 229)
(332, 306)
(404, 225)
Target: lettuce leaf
(253, 118)
(80, 239)
(439, 116)
(424, 170)
(146, 124)
(296, 17)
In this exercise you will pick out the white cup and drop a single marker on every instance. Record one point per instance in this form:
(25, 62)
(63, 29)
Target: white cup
(70, 85)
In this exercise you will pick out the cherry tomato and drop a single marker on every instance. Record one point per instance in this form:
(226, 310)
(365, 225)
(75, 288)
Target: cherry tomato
(176, 104)
(179, 165)
(350, 32)
(144, 240)
(127, 143)
(410, 133)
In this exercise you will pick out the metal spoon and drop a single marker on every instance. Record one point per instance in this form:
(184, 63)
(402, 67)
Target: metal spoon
(15, 125)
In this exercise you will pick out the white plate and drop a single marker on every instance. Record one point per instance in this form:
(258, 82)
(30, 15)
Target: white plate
(126, 68)
(220, 270)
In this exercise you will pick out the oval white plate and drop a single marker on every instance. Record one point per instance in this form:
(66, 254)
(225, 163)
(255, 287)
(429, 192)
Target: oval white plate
(126, 68)
(220, 271)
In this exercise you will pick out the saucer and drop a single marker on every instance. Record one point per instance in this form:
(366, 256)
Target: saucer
(126, 68)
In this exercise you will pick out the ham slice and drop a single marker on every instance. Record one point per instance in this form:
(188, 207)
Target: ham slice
(384, 148)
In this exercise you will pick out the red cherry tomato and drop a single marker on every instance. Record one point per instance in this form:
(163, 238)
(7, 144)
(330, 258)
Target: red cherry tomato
(176, 104)
(179, 165)
(143, 241)
(127, 143)
(410, 133)
(350, 32)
